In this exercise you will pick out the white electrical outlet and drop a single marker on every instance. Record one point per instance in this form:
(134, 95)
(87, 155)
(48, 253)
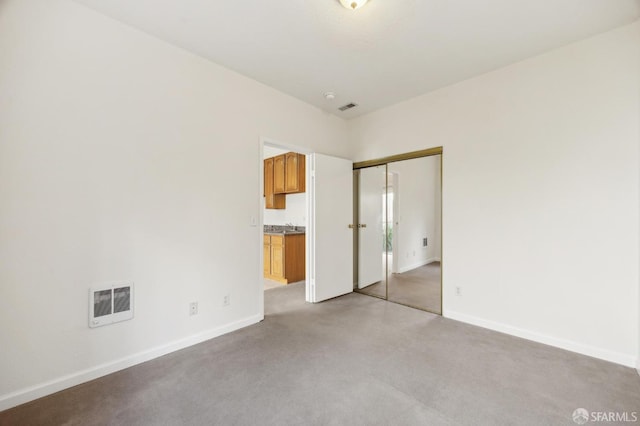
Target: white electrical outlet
(227, 300)
(458, 291)
(193, 308)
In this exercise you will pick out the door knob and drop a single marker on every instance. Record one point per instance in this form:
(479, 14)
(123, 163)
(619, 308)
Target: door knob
(362, 225)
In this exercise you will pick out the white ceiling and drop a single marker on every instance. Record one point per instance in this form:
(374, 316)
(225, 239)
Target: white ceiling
(386, 52)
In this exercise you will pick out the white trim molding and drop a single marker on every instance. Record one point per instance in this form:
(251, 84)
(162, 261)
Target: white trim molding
(47, 388)
(418, 264)
(569, 345)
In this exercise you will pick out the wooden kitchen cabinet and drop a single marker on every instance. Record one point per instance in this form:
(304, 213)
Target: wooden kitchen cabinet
(283, 174)
(294, 173)
(289, 173)
(272, 200)
(279, 170)
(267, 254)
(284, 257)
(277, 256)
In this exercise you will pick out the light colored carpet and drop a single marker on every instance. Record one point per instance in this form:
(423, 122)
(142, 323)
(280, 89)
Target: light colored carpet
(353, 360)
(270, 284)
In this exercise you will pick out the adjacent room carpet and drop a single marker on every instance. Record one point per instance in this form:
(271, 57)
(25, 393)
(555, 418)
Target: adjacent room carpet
(269, 284)
(420, 287)
(352, 360)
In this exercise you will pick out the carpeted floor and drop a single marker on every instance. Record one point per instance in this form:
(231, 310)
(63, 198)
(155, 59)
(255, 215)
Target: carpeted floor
(420, 287)
(351, 360)
(269, 284)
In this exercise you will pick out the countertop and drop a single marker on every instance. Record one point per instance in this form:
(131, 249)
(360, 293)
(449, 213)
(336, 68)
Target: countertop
(284, 230)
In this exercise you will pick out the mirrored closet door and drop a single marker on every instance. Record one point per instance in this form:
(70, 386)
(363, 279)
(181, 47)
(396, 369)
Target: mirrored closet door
(399, 232)
(372, 265)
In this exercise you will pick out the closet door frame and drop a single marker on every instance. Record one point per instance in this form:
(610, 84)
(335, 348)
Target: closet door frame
(385, 161)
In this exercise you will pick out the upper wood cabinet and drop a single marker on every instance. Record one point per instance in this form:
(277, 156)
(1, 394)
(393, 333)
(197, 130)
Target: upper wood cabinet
(272, 200)
(289, 173)
(294, 173)
(284, 174)
(279, 174)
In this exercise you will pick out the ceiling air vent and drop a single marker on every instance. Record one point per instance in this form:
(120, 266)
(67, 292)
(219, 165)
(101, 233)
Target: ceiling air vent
(348, 106)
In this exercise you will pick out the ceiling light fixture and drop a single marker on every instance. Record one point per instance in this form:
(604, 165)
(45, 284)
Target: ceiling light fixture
(329, 96)
(353, 4)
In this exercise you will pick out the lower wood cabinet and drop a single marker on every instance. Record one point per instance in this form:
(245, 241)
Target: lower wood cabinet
(267, 255)
(284, 257)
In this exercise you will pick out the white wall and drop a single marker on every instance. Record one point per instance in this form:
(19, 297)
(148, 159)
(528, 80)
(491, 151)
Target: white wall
(417, 196)
(270, 151)
(540, 192)
(295, 213)
(122, 157)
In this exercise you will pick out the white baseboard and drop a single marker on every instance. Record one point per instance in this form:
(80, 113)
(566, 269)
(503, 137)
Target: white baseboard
(592, 351)
(38, 391)
(418, 264)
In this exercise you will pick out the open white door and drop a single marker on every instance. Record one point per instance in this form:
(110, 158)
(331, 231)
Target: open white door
(329, 238)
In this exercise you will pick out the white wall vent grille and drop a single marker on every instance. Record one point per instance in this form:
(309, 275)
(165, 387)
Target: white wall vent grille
(110, 302)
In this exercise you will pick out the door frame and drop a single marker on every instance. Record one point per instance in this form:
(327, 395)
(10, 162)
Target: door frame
(401, 157)
(273, 143)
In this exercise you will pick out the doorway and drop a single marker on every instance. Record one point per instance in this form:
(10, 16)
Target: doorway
(284, 212)
(399, 227)
(323, 227)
